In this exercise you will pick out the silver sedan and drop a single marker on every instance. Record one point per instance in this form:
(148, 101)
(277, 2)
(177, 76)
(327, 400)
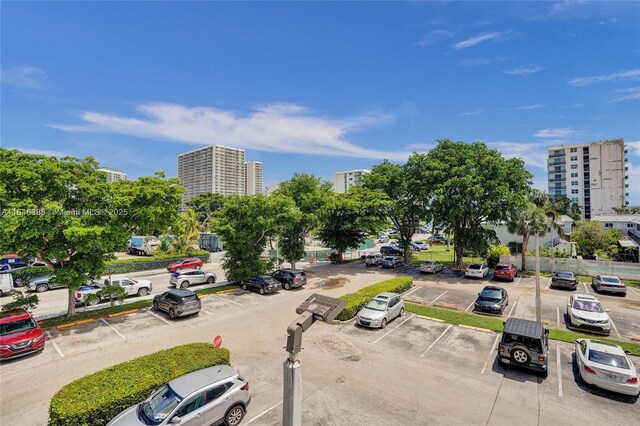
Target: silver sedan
(609, 284)
(186, 277)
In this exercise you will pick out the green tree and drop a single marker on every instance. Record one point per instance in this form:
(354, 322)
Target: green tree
(564, 206)
(627, 210)
(494, 253)
(113, 293)
(407, 208)
(347, 219)
(207, 206)
(20, 301)
(64, 210)
(466, 184)
(309, 194)
(245, 223)
(592, 238)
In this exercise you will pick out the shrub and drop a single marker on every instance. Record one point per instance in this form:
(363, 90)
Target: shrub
(95, 399)
(123, 266)
(493, 255)
(355, 301)
(394, 236)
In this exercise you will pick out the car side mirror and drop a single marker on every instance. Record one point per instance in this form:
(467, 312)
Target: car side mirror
(176, 420)
(546, 331)
(607, 310)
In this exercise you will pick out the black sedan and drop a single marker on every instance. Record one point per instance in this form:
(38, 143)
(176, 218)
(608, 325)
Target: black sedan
(492, 299)
(262, 283)
(290, 278)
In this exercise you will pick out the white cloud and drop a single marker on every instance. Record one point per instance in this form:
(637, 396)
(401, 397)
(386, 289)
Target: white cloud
(608, 21)
(432, 38)
(565, 5)
(519, 108)
(273, 127)
(46, 152)
(635, 147)
(555, 133)
(533, 154)
(483, 60)
(24, 76)
(494, 35)
(633, 74)
(627, 94)
(522, 70)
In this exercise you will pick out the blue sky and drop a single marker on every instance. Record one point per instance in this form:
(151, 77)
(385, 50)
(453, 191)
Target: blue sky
(317, 87)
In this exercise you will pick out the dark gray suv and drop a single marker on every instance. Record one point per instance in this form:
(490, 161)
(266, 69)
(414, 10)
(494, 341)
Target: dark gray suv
(524, 344)
(177, 303)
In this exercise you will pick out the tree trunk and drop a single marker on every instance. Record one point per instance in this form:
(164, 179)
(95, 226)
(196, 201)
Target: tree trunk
(525, 240)
(71, 306)
(458, 250)
(293, 263)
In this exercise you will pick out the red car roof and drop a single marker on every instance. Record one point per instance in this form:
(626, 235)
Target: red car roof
(14, 315)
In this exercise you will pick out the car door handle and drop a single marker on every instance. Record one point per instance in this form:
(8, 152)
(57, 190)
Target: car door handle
(227, 399)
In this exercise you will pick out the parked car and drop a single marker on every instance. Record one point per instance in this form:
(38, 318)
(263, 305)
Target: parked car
(373, 259)
(607, 366)
(505, 271)
(431, 267)
(380, 310)
(421, 245)
(524, 344)
(192, 263)
(609, 284)
(564, 279)
(262, 283)
(438, 239)
(214, 395)
(383, 239)
(186, 277)
(392, 262)
(6, 283)
(390, 251)
(290, 278)
(42, 284)
(11, 263)
(587, 313)
(477, 270)
(492, 299)
(20, 334)
(177, 303)
(131, 286)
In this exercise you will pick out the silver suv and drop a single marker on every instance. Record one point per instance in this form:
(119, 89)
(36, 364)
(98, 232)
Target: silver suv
(186, 277)
(373, 259)
(524, 344)
(380, 310)
(214, 395)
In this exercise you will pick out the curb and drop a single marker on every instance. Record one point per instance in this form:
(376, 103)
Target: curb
(226, 291)
(430, 319)
(71, 324)
(470, 327)
(636, 339)
(118, 314)
(338, 322)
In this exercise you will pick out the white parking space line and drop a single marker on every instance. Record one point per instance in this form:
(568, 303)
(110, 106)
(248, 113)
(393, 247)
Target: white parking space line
(55, 345)
(264, 412)
(614, 327)
(160, 318)
(634, 290)
(113, 328)
(558, 369)
(470, 305)
(410, 291)
(557, 317)
(206, 312)
(436, 341)
(387, 333)
(519, 281)
(585, 287)
(226, 300)
(548, 284)
(493, 348)
(436, 298)
(513, 308)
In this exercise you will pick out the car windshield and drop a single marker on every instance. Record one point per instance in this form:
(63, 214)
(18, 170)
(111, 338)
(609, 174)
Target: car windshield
(474, 266)
(588, 305)
(566, 275)
(612, 360)
(376, 305)
(159, 405)
(17, 326)
(502, 267)
(611, 280)
(490, 295)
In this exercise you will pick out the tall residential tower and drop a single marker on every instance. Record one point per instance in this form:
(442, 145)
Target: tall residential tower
(253, 178)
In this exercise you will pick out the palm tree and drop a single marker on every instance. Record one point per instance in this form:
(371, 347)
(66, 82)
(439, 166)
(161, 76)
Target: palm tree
(191, 223)
(520, 224)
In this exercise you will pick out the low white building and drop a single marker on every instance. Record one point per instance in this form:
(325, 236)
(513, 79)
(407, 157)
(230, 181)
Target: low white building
(342, 181)
(114, 175)
(625, 223)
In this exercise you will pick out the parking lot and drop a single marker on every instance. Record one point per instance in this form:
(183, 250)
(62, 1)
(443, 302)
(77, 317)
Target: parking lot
(416, 371)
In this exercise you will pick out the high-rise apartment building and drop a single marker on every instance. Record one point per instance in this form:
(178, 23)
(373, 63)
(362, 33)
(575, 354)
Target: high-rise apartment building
(114, 175)
(253, 177)
(592, 174)
(215, 168)
(342, 181)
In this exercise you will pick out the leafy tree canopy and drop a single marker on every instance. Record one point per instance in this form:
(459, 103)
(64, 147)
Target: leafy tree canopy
(592, 239)
(206, 206)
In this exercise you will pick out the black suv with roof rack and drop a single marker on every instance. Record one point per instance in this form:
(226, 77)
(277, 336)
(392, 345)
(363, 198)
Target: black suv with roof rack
(524, 344)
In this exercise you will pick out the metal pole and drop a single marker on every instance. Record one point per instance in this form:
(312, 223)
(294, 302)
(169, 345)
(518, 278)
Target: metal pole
(538, 300)
(553, 251)
(292, 398)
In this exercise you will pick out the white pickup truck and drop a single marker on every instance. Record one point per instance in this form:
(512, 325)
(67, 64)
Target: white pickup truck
(132, 287)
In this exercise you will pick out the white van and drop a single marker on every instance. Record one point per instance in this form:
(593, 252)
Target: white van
(6, 283)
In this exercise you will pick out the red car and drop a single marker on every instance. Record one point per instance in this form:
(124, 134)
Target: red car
(193, 263)
(20, 334)
(505, 271)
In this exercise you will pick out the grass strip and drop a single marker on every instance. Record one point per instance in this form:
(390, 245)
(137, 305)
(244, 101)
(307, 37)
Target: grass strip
(102, 313)
(496, 324)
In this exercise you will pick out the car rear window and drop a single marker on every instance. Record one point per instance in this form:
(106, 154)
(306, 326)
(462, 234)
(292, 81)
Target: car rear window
(474, 266)
(16, 326)
(502, 267)
(567, 275)
(611, 280)
(533, 344)
(300, 274)
(189, 298)
(612, 360)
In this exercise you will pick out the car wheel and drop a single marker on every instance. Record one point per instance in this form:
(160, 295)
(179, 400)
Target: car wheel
(520, 355)
(143, 292)
(262, 290)
(384, 323)
(287, 286)
(155, 306)
(198, 267)
(211, 280)
(184, 284)
(172, 313)
(401, 312)
(244, 286)
(42, 288)
(234, 416)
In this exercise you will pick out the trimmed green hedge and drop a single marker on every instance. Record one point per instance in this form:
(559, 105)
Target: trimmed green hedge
(97, 398)
(355, 301)
(123, 266)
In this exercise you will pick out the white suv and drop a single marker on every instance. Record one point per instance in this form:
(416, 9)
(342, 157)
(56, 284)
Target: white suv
(586, 312)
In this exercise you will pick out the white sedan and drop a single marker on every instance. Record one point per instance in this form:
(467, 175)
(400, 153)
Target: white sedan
(477, 270)
(607, 366)
(587, 313)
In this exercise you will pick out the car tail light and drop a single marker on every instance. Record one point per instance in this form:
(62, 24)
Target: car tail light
(501, 348)
(293, 280)
(540, 357)
(245, 387)
(78, 295)
(633, 380)
(589, 369)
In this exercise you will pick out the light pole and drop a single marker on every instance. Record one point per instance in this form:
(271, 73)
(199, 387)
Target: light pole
(538, 299)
